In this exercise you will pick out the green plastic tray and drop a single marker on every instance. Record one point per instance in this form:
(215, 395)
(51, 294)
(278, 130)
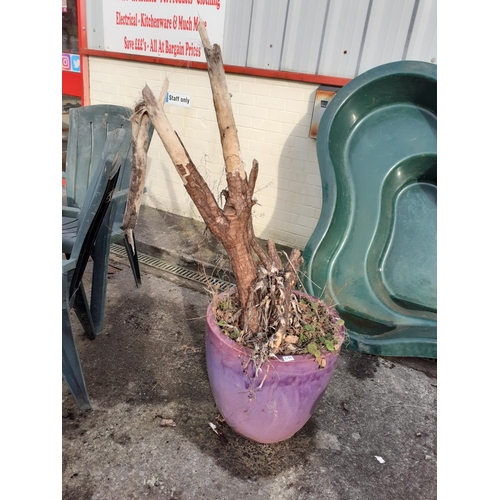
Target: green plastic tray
(373, 251)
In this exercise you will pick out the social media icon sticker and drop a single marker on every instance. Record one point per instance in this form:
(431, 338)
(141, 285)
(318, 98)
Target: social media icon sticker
(75, 63)
(66, 62)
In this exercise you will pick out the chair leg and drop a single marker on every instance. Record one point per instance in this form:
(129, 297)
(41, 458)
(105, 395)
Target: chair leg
(82, 310)
(133, 259)
(100, 257)
(71, 366)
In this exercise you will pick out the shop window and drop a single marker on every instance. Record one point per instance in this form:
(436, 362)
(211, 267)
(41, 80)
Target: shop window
(69, 27)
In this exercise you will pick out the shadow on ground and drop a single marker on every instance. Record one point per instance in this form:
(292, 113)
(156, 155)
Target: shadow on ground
(149, 365)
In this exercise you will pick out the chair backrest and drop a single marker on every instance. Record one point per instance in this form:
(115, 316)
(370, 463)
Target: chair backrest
(96, 202)
(88, 129)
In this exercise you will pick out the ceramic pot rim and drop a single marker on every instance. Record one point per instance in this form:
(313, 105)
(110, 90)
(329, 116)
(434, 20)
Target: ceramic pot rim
(297, 358)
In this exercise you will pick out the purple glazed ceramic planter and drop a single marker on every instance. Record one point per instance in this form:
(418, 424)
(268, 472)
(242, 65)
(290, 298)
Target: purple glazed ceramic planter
(288, 397)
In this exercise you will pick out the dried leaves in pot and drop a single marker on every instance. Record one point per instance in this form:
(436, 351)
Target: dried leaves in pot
(311, 329)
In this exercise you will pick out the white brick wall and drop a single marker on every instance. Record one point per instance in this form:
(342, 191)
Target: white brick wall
(273, 118)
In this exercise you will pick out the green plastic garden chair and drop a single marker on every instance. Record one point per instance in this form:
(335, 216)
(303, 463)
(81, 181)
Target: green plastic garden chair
(88, 128)
(93, 214)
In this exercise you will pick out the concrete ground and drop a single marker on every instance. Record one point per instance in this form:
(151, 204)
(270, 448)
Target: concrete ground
(372, 437)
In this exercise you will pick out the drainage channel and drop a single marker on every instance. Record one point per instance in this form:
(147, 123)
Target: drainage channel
(174, 269)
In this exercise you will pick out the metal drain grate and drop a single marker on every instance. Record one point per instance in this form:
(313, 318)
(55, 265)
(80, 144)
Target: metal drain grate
(174, 269)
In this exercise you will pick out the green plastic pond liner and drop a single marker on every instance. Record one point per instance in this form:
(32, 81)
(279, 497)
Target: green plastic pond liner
(373, 251)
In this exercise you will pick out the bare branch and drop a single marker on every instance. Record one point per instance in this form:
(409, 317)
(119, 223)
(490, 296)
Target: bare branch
(194, 183)
(165, 131)
(253, 177)
(163, 93)
(260, 252)
(223, 110)
(273, 254)
(140, 127)
(255, 246)
(291, 277)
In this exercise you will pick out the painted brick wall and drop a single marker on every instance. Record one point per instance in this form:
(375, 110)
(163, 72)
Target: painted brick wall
(273, 119)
